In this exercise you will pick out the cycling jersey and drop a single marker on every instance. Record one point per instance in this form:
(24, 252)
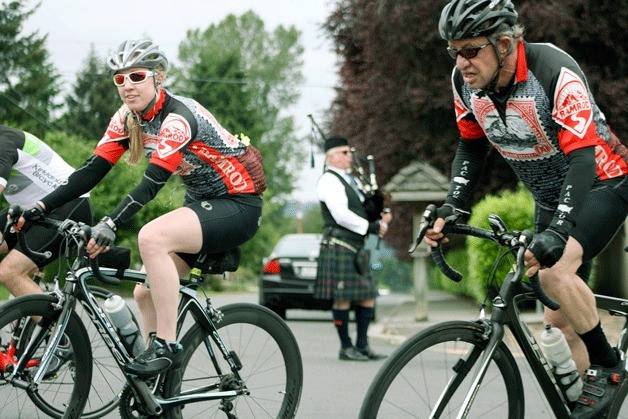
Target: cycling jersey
(547, 114)
(181, 137)
(184, 138)
(29, 168)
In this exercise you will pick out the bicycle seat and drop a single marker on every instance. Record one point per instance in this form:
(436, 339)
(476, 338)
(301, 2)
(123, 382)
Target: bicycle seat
(219, 263)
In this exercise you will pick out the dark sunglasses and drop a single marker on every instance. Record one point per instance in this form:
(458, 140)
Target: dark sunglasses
(467, 52)
(134, 77)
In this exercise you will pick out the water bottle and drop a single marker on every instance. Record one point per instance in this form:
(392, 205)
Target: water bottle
(556, 350)
(125, 322)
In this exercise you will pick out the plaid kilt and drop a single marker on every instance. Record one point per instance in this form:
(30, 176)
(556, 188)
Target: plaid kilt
(337, 277)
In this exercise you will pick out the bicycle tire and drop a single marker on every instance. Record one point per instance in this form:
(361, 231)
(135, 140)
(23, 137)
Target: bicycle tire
(76, 367)
(259, 322)
(619, 407)
(407, 398)
(106, 376)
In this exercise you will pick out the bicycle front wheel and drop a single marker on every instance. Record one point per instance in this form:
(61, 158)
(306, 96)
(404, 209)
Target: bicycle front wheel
(66, 384)
(272, 370)
(430, 375)
(107, 380)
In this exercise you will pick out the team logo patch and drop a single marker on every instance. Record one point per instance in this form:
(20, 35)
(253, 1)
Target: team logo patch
(572, 107)
(174, 133)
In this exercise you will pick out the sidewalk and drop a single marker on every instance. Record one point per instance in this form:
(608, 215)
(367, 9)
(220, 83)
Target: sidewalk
(396, 316)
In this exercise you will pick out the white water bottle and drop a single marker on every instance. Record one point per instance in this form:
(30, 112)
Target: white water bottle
(125, 322)
(556, 350)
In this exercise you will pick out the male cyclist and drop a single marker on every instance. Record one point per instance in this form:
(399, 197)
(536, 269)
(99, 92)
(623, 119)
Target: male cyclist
(532, 103)
(29, 170)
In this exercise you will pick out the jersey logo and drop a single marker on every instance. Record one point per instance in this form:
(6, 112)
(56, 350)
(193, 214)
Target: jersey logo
(522, 137)
(174, 133)
(115, 129)
(572, 107)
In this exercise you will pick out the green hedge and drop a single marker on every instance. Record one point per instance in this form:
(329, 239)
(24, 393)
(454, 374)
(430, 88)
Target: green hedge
(516, 209)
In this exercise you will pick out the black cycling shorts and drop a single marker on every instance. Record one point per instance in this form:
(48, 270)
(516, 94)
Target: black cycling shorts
(40, 238)
(601, 215)
(225, 222)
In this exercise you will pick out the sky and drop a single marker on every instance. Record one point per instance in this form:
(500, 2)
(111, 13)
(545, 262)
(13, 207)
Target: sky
(73, 25)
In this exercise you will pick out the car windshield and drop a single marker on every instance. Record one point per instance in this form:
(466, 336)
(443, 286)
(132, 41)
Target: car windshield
(303, 245)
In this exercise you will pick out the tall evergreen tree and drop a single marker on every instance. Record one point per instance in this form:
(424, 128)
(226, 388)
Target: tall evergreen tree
(93, 100)
(28, 80)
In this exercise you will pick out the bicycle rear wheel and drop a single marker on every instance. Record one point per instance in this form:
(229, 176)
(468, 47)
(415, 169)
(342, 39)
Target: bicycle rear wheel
(415, 377)
(271, 366)
(66, 385)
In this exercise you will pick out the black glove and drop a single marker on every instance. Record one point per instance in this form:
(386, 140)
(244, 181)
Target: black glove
(103, 233)
(548, 246)
(34, 214)
(451, 214)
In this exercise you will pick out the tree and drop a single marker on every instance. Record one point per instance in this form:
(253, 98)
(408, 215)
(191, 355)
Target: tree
(93, 100)
(28, 80)
(395, 102)
(246, 75)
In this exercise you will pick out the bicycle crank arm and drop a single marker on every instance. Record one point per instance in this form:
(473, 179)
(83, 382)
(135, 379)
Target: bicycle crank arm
(193, 398)
(148, 400)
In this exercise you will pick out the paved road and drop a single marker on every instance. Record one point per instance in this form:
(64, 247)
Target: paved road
(332, 389)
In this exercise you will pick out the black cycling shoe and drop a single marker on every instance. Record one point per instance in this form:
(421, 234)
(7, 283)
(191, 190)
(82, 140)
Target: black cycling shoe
(599, 389)
(157, 358)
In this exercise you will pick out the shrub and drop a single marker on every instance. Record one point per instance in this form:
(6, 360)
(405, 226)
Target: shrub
(516, 209)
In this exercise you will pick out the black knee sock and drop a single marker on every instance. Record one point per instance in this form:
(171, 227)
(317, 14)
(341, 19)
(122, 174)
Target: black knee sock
(341, 321)
(600, 351)
(363, 317)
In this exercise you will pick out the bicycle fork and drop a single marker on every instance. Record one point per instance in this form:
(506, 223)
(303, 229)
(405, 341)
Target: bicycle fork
(463, 367)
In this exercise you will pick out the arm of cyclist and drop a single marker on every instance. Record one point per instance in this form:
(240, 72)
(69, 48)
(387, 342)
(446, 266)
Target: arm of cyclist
(466, 169)
(548, 246)
(103, 233)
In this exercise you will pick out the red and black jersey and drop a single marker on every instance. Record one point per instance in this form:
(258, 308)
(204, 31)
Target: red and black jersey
(548, 114)
(184, 138)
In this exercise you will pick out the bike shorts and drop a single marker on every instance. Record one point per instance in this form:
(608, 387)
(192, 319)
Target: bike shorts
(600, 216)
(40, 238)
(225, 222)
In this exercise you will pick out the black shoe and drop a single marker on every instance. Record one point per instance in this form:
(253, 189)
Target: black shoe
(351, 354)
(157, 358)
(599, 389)
(370, 354)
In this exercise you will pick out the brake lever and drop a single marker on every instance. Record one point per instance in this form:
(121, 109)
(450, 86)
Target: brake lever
(428, 221)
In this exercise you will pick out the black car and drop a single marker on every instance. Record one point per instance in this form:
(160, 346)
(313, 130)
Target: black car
(288, 275)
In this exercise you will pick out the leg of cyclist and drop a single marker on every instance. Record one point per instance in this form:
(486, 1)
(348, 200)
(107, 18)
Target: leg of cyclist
(16, 271)
(176, 231)
(144, 301)
(600, 216)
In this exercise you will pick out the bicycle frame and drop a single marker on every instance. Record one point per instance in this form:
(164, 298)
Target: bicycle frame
(506, 313)
(75, 289)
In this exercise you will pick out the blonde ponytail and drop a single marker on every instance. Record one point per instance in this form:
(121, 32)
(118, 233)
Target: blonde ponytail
(136, 147)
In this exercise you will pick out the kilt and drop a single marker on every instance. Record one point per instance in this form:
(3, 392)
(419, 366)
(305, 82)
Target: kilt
(337, 277)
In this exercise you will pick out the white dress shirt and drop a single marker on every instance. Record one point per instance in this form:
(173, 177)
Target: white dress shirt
(331, 191)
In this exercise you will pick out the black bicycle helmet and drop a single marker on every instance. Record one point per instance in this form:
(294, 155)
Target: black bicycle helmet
(137, 53)
(462, 19)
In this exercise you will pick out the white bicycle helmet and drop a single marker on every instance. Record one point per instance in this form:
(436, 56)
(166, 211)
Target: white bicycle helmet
(137, 53)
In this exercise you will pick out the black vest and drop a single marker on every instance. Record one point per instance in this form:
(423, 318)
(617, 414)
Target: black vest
(332, 228)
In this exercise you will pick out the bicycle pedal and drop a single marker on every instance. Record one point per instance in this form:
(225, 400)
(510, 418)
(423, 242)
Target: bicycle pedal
(592, 389)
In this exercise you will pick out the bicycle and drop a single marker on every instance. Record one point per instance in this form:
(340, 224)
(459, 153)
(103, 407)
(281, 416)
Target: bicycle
(106, 386)
(464, 369)
(240, 358)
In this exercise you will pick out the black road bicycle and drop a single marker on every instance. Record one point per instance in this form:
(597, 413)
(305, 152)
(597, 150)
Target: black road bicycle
(240, 360)
(463, 369)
